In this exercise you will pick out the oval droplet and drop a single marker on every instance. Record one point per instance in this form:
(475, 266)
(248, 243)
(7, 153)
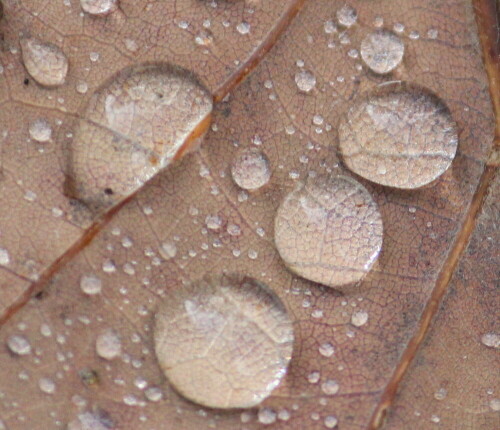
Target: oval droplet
(99, 7)
(134, 126)
(45, 62)
(305, 81)
(19, 345)
(329, 230)
(40, 130)
(108, 345)
(90, 284)
(224, 342)
(347, 16)
(401, 135)
(250, 169)
(382, 51)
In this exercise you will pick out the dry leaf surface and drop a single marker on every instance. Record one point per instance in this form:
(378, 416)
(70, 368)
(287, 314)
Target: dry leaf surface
(192, 219)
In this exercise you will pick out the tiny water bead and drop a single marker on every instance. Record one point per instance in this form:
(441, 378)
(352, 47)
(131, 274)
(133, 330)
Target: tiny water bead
(99, 7)
(305, 81)
(40, 130)
(134, 125)
(329, 230)
(250, 169)
(19, 345)
(347, 16)
(382, 51)
(224, 341)
(401, 135)
(108, 345)
(46, 63)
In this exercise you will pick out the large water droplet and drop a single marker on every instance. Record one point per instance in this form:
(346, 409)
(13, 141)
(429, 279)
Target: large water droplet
(45, 62)
(250, 169)
(108, 345)
(99, 7)
(135, 125)
(329, 230)
(224, 342)
(382, 51)
(401, 135)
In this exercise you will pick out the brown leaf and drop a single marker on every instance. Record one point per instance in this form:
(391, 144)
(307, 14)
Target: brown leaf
(100, 278)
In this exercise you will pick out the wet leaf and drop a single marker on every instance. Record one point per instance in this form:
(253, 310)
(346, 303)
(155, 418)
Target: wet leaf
(81, 287)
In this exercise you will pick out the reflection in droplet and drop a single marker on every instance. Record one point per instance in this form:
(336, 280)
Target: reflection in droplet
(45, 62)
(19, 345)
(401, 136)
(135, 125)
(99, 7)
(40, 130)
(223, 342)
(382, 51)
(250, 169)
(305, 81)
(329, 230)
(108, 345)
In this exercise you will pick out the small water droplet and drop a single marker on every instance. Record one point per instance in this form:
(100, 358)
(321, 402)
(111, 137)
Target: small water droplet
(90, 284)
(266, 416)
(359, 318)
(313, 377)
(435, 419)
(382, 51)
(19, 345)
(330, 422)
(153, 394)
(250, 169)
(4, 257)
(347, 16)
(330, 387)
(210, 343)
(108, 345)
(204, 38)
(91, 421)
(45, 62)
(134, 126)
(329, 230)
(305, 81)
(99, 7)
(440, 394)
(47, 385)
(491, 340)
(243, 28)
(40, 130)
(326, 349)
(404, 128)
(495, 405)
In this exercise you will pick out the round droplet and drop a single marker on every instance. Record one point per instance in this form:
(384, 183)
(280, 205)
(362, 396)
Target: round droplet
(305, 81)
(40, 130)
(47, 385)
(19, 345)
(90, 284)
(382, 51)
(359, 318)
(326, 349)
(347, 16)
(45, 62)
(266, 416)
(168, 250)
(91, 421)
(330, 387)
(331, 422)
(99, 7)
(491, 340)
(134, 126)
(223, 342)
(108, 345)
(250, 169)
(402, 136)
(329, 230)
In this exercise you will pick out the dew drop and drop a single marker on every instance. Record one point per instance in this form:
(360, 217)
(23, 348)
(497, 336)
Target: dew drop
(491, 340)
(266, 416)
(108, 345)
(404, 128)
(250, 169)
(153, 394)
(382, 51)
(91, 421)
(495, 405)
(329, 230)
(347, 16)
(330, 387)
(4, 257)
(99, 7)
(133, 126)
(40, 130)
(359, 318)
(243, 28)
(204, 38)
(19, 345)
(45, 62)
(305, 81)
(223, 342)
(168, 250)
(326, 349)
(47, 385)
(90, 284)
(330, 422)
(440, 394)
(313, 377)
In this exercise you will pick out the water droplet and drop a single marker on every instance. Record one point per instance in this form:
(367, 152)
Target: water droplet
(204, 38)
(359, 318)
(347, 16)
(19, 345)
(491, 340)
(45, 62)
(313, 377)
(330, 387)
(4, 257)
(90, 284)
(440, 394)
(40, 130)
(266, 416)
(243, 28)
(168, 250)
(153, 394)
(329, 230)
(495, 405)
(108, 345)
(91, 421)
(404, 128)
(382, 51)
(135, 125)
(435, 419)
(47, 385)
(224, 342)
(331, 422)
(326, 349)
(250, 169)
(99, 7)
(305, 80)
